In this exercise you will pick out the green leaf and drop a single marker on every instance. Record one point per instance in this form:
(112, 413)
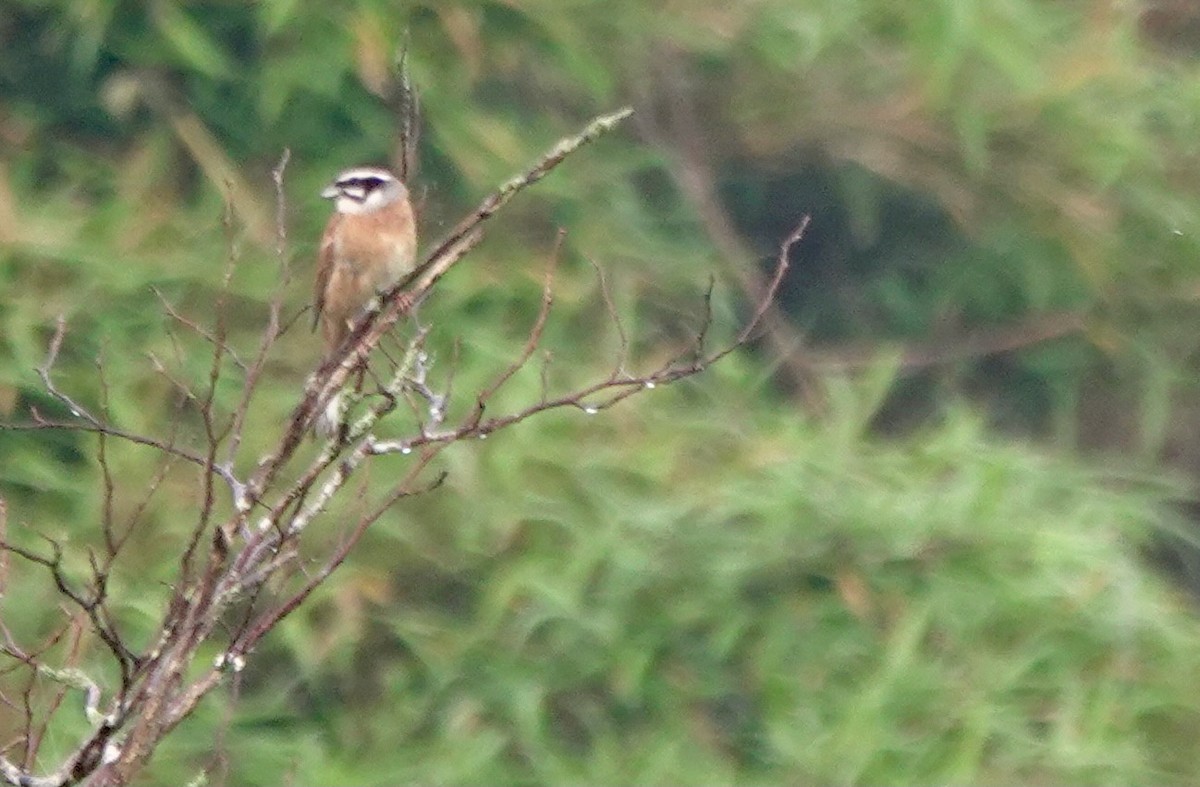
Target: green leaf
(189, 40)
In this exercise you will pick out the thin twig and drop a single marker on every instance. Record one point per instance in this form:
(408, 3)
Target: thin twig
(196, 328)
(535, 333)
(615, 316)
(162, 684)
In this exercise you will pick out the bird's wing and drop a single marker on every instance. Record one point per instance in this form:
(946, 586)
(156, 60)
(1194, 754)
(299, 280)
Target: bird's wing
(324, 268)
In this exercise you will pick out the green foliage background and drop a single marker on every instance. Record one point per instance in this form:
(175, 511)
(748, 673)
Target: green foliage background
(939, 574)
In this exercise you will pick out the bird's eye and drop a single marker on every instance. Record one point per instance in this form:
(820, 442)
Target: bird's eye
(359, 186)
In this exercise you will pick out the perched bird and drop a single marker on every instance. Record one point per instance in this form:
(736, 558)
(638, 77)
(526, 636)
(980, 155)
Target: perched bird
(370, 243)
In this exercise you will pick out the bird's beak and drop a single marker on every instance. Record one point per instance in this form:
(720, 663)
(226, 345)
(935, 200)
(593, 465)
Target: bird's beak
(330, 192)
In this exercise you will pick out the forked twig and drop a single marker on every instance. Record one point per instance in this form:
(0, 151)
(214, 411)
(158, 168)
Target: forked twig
(231, 558)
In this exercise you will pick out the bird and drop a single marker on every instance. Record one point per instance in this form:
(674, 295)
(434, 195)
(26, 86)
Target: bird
(369, 245)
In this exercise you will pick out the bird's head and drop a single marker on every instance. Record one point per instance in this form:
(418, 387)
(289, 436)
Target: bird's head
(364, 189)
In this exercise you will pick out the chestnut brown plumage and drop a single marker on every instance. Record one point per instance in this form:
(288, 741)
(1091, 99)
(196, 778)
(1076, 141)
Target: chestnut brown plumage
(370, 243)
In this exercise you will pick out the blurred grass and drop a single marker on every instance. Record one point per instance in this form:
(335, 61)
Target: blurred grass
(708, 584)
(754, 598)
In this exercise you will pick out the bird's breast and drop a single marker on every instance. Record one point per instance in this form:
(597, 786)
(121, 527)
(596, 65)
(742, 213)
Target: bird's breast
(383, 241)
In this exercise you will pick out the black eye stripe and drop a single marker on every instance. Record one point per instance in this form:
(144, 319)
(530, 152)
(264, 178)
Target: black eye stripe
(366, 184)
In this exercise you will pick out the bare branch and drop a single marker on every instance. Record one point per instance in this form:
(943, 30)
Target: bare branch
(408, 109)
(404, 489)
(281, 213)
(87, 422)
(230, 561)
(275, 327)
(196, 328)
(615, 316)
(77, 410)
(535, 333)
(91, 605)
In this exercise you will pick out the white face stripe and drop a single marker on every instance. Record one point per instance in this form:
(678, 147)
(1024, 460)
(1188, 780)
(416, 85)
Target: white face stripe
(349, 205)
(374, 201)
(364, 189)
(364, 173)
